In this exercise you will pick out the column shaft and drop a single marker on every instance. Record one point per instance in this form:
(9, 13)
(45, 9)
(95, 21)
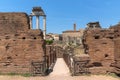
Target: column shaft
(30, 17)
(44, 27)
(37, 22)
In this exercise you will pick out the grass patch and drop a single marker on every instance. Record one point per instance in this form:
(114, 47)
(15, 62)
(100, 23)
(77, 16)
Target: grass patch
(17, 74)
(113, 75)
(11, 74)
(26, 75)
(109, 74)
(85, 75)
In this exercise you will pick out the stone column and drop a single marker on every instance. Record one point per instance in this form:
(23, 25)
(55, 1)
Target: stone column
(30, 17)
(44, 26)
(37, 22)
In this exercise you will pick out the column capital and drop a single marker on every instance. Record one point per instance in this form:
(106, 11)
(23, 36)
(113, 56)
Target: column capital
(31, 15)
(44, 16)
(37, 16)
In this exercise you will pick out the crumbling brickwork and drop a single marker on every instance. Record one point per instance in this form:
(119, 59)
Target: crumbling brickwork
(59, 52)
(50, 55)
(117, 48)
(99, 44)
(103, 47)
(19, 45)
(117, 56)
(13, 23)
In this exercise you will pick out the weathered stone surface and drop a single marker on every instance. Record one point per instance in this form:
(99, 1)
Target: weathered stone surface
(117, 56)
(13, 23)
(50, 55)
(19, 45)
(59, 52)
(103, 46)
(99, 44)
(116, 64)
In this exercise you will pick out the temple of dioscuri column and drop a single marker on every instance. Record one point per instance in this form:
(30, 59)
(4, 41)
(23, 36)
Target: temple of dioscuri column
(37, 12)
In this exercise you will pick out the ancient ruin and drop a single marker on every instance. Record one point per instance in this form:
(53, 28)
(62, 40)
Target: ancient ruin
(73, 36)
(102, 46)
(98, 53)
(37, 11)
(23, 49)
(20, 45)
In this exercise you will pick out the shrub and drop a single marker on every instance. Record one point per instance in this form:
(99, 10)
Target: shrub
(49, 42)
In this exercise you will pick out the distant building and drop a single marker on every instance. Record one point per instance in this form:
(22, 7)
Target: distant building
(49, 37)
(73, 36)
(93, 25)
(55, 37)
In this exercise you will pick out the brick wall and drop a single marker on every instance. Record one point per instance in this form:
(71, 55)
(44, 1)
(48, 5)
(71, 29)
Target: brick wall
(13, 22)
(50, 55)
(117, 48)
(117, 56)
(19, 45)
(99, 44)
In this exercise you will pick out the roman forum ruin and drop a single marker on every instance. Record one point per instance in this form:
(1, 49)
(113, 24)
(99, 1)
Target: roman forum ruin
(92, 50)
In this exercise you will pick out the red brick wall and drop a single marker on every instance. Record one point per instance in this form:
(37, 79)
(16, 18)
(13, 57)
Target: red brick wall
(19, 45)
(99, 45)
(13, 22)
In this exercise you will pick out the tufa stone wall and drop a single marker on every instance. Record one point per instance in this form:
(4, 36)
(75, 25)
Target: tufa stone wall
(19, 45)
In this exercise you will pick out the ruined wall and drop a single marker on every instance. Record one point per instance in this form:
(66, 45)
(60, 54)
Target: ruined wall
(50, 55)
(59, 52)
(117, 56)
(13, 23)
(117, 48)
(99, 44)
(19, 45)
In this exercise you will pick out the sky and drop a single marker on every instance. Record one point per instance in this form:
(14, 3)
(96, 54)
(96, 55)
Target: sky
(62, 14)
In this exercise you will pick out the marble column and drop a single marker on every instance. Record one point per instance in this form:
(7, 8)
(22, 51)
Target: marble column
(44, 26)
(37, 22)
(30, 17)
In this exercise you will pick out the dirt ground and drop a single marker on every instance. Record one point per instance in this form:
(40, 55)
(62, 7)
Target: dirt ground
(93, 77)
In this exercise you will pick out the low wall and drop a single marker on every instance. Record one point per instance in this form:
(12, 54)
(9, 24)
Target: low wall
(77, 65)
(50, 55)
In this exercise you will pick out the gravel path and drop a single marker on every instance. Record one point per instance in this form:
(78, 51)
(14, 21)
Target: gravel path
(60, 68)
